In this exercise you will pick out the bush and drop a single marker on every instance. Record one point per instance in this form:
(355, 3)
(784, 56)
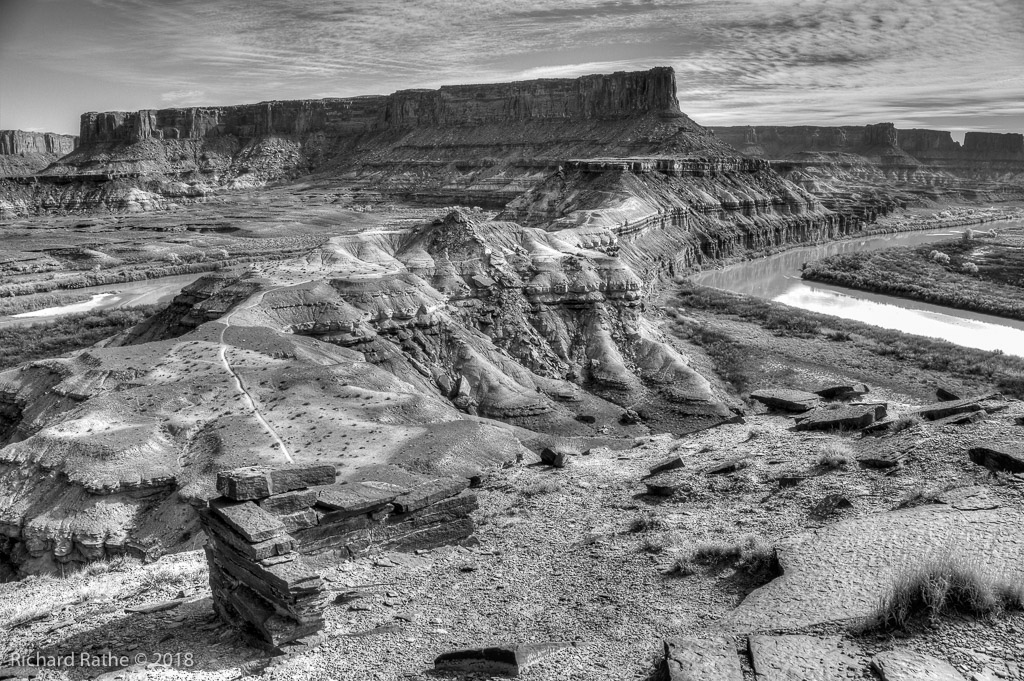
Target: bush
(970, 268)
(833, 455)
(940, 257)
(749, 553)
(945, 585)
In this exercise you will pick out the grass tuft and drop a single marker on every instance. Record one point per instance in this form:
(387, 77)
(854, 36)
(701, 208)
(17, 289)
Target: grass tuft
(834, 455)
(945, 585)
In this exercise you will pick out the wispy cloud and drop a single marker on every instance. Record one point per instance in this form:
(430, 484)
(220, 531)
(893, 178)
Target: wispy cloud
(741, 62)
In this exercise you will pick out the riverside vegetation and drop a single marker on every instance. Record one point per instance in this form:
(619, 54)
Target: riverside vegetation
(981, 272)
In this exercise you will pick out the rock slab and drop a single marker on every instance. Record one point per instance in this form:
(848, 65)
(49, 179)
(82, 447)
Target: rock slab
(998, 457)
(909, 665)
(787, 400)
(803, 658)
(509, 660)
(702, 659)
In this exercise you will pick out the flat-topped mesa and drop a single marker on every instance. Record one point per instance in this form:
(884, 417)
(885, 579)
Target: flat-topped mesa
(21, 142)
(615, 95)
(782, 141)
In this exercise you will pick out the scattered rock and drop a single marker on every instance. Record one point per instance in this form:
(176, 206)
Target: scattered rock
(667, 484)
(702, 659)
(843, 392)
(910, 665)
(501, 659)
(629, 418)
(889, 459)
(938, 410)
(787, 400)
(790, 480)
(727, 466)
(830, 505)
(947, 393)
(999, 457)
(156, 607)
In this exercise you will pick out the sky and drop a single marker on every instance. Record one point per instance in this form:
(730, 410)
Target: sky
(948, 64)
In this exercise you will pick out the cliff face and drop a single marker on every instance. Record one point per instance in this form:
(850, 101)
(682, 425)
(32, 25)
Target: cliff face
(24, 153)
(590, 97)
(896, 166)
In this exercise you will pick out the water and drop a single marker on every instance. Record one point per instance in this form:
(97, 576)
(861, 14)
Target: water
(109, 297)
(777, 278)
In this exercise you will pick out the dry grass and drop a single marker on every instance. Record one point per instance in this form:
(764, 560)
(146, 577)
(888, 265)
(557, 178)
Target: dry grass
(905, 423)
(646, 522)
(172, 574)
(833, 455)
(749, 553)
(945, 585)
(538, 488)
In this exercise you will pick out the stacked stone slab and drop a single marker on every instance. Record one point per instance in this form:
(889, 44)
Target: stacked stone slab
(258, 579)
(269, 521)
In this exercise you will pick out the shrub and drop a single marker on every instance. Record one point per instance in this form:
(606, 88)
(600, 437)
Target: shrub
(833, 455)
(968, 234)
(646, 522)
(940, 257)
(944, 585)
(905, 422)
(749, 553)
(970, 267)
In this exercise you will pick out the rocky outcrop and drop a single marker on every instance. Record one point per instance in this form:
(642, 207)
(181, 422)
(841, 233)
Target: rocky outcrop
(269, 519)
(24, 153)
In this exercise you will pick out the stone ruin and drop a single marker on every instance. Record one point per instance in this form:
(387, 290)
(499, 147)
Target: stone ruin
(270, 528)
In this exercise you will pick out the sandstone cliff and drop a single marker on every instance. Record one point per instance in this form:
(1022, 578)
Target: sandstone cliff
(24, 153)
(906, 165)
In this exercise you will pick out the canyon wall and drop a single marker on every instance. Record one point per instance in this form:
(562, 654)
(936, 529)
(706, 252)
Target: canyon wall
(590, 97)
(24, 153)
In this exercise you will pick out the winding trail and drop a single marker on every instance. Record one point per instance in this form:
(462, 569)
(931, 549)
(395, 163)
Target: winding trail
(223, 354)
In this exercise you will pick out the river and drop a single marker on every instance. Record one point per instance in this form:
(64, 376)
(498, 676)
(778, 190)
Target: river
(777, 278)
(109, 297)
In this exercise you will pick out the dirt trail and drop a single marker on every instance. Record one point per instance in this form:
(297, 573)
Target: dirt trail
(238, 381)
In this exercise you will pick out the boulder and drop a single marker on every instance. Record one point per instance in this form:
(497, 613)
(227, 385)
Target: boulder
(555, 456)
(702, 659)
(847, 417)
(785, 399)
(507, 659)
(843, 392)
(910, 665)
(998, 456)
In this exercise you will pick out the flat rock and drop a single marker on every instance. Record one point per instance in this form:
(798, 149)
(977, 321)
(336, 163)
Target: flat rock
(995, 456)
(289, 502)
(429, 493)
(243, 484)
(884, 459)
(509, 660)
(964, 419)
(259, 482)
(972, 498)
(847, 417)
(668, 464)
(838, 573)
(843, 392)
(947, 393)
(940, 410)
(353, 498)
(787, 400)
(667, 484)
(910, 665)
(803, 658)
(702, 659)
(249, 520)
(289, 478)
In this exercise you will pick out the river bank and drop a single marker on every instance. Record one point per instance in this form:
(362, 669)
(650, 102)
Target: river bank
(909, 220)
(981, 274)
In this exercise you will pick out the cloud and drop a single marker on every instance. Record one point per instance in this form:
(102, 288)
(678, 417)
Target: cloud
(743, 62)
(180, 96)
